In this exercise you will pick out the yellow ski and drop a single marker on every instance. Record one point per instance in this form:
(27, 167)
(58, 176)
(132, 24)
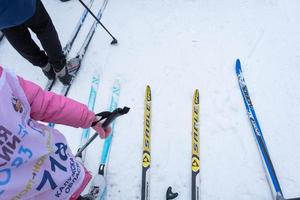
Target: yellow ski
(146, 147)
(195, 148)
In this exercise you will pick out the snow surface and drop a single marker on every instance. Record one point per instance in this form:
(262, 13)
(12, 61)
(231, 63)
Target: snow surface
(176, 46)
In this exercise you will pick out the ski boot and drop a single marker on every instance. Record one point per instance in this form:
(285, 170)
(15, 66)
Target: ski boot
(48, 71)
(67, 73)
(97, 188)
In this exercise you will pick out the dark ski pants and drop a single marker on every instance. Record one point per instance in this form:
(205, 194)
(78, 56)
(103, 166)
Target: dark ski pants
(40, 23)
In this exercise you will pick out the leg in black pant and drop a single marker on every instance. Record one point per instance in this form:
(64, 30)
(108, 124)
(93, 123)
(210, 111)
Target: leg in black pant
(20, 38)
(40, 23)
(43, 27)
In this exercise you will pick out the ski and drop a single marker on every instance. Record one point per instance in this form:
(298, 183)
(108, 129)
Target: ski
(75, 63)
(76, 30)
(146, 158)
(108, 140)
(269, 168)
(195, 147)
(69, 44)
(91, 104)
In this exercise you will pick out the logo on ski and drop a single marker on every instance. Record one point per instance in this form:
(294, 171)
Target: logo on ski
(146, 160)
(195, 163)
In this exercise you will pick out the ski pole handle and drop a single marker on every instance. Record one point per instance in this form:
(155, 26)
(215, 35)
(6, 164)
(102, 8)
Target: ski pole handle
(109, 119)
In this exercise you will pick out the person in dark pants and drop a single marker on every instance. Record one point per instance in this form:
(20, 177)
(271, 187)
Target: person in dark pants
(31, 14)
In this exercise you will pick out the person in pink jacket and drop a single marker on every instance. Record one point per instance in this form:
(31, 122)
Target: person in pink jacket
(35, 160)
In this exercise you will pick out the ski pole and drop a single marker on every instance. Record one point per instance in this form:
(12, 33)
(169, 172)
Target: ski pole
(114, 41)
(110, 117)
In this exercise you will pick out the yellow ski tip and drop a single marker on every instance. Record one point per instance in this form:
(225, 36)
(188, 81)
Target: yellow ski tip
(148, 93)
(196, 96)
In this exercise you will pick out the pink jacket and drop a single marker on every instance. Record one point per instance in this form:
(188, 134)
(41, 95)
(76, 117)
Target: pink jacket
(50, 107)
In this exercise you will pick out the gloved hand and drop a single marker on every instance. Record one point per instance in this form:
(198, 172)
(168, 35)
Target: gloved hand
(97, 126)
(108, 116)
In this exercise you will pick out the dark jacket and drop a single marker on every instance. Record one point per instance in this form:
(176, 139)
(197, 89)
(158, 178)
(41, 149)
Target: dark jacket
(15, 12)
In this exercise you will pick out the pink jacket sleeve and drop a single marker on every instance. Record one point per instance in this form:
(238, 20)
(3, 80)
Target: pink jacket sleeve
(50, 107)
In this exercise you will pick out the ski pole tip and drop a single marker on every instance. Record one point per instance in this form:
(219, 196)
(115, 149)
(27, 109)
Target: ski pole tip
(114, 42)
(171, 195)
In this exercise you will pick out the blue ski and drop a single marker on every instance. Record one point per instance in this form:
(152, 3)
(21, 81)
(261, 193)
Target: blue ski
(272, 178)
(108, 140)
(91, 104)
(113, 106)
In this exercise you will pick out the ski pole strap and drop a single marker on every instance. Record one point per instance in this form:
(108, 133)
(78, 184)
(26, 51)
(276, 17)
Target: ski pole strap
(109, 118)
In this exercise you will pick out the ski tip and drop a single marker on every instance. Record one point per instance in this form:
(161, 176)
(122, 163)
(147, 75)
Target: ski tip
(116, 84)
(148, 93)
(117, 80)
(238, 66)
(196, 96)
